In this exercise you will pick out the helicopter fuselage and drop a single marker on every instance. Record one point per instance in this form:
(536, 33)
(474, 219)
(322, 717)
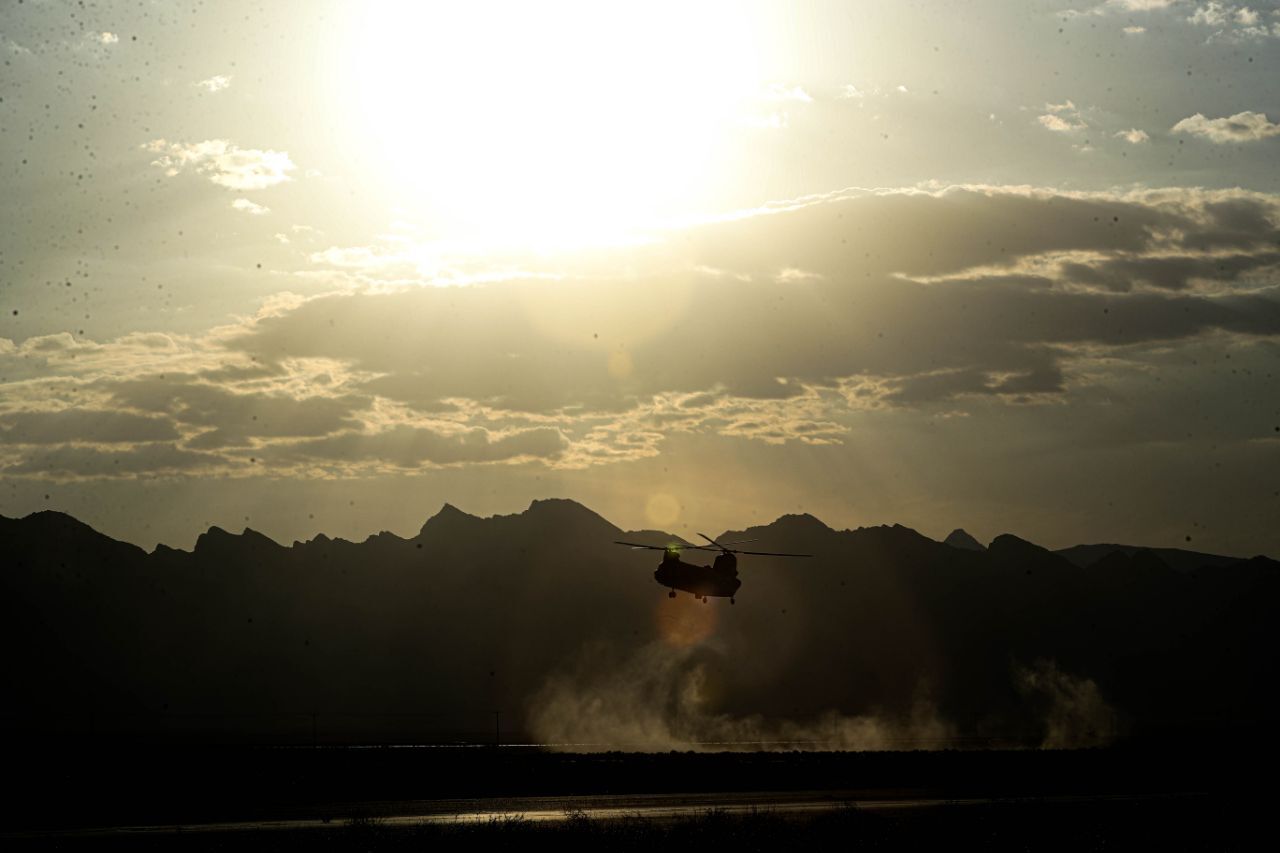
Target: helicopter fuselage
(719, 580)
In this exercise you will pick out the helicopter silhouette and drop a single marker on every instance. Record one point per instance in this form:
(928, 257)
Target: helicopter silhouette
(718, 580)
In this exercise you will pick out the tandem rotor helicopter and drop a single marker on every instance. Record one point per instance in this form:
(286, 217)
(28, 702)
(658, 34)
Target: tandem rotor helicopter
(718, 580)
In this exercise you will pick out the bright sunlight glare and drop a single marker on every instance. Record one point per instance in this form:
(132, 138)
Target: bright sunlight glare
(548, 124)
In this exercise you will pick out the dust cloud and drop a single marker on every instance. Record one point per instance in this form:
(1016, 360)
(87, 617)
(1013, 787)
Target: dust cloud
(660, 699)
(1076, 716)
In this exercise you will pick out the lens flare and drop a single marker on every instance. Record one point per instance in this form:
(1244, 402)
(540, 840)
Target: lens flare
(684, 621)
(662, 510)
(620, 364)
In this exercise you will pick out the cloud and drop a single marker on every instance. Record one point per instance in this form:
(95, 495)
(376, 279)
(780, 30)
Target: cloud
(223, 163)
(851, 92)
(94, 462)
(780, 92)
(783, 325)
(64, 357)
(358, 257)
(1242, 127)
(1170, 272)
(408, 446)
(245, 206)
(1211, 15)
(1110, 7)
(1229, 22)
(970, 316)
(82, 426)
(1062, 118)
(947, 384)
(1232, 23)
(1141, 5)
(1059, 124)
(794, 274)
(216, 83)
(1246, 16)
(1133, 136)
(233, 414)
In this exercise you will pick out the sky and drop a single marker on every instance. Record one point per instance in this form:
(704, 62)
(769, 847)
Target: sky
(322, 266)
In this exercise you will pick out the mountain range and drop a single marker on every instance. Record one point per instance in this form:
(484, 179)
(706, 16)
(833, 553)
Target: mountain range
(884, 637)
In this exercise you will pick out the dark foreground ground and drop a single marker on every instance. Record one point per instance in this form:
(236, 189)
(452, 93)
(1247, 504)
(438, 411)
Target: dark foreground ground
(417, 798)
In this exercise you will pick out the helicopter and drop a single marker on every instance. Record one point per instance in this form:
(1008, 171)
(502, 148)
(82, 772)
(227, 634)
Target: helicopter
(719, 580)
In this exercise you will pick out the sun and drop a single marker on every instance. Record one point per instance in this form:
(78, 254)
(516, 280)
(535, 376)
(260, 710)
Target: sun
(547, 123)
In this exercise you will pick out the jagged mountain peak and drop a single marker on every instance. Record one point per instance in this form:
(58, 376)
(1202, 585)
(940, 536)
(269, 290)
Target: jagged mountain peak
(802, 520)
(448, 515)
(793, 524)
(54, 520)
(216, 537)
(52, 514)
(566, 509)
(960, 538)
(548, 512)
(448, 511)
(58, 531)
(890, 530)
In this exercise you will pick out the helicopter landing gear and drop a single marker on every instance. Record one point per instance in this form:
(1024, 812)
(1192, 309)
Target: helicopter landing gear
(671, 594)
(731, 601)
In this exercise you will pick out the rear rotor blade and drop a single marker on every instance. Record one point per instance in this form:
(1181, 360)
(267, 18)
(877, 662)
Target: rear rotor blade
(725, 545)
(712, 541)
(766, 553)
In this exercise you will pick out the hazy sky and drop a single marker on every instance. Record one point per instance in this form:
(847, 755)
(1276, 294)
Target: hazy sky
(1011, 266)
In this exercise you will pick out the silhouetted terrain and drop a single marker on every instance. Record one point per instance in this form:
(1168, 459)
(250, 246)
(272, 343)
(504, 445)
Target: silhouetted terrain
(883, 638)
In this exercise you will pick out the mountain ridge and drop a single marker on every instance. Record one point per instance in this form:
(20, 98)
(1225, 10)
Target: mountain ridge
(538, 613)
(1082, 555)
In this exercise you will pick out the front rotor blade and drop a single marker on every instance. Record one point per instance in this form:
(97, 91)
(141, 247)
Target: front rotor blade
(672, 547)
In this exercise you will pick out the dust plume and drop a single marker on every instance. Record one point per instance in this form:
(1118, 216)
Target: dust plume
(1076, 715)
(661, 699)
